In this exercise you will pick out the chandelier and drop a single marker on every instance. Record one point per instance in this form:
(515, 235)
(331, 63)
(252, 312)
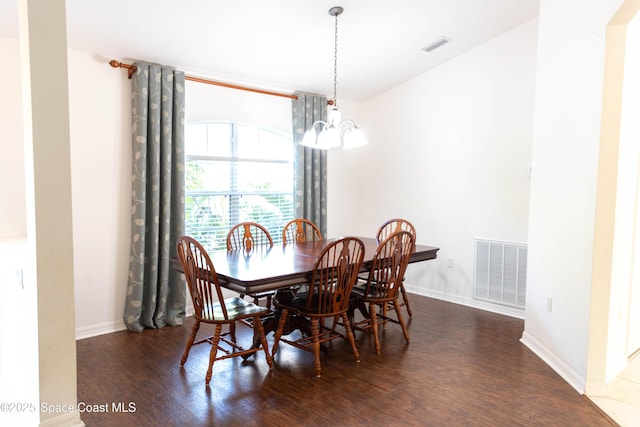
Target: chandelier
(335, 132)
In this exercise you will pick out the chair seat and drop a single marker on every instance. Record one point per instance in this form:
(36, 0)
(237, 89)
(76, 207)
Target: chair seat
(237, 308)
(261, 294)
(360, 290)
(299, 303)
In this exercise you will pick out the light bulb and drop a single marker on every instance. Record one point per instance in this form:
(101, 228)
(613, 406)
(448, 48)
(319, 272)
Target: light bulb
(329, 138)
(309, 139)
(354, 138)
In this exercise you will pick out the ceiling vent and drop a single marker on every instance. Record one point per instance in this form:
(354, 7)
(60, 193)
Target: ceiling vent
(438, 43)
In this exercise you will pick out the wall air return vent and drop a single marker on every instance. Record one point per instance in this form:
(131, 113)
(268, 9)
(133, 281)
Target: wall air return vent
(501, 273)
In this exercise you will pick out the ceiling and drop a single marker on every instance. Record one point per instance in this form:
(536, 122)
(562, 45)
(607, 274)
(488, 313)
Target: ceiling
(286, 45)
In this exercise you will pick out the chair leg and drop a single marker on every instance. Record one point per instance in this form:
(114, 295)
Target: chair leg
(350, 336)
(321, 328)
(374, 326)
(315, 330)
(214, 350)
(401, 320)
(406, 300)
(259, 329)
(232, 332)
(336, 323)
(385, 310)
(190, 341)
(278, 334)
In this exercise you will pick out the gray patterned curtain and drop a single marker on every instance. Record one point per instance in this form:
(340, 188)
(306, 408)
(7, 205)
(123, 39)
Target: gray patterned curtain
(155, 292)
(310, 164)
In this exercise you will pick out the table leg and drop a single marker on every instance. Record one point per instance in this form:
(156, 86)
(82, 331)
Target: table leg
(270, 322)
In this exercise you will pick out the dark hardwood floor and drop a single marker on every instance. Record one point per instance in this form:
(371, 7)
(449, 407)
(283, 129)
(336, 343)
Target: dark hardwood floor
(463, 367)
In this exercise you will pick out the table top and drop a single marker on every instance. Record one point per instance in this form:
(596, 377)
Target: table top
(280, 266)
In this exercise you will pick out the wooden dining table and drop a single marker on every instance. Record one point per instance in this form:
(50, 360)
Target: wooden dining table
(283, 267)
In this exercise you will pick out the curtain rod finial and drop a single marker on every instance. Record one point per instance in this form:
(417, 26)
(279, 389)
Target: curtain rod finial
(130, 68)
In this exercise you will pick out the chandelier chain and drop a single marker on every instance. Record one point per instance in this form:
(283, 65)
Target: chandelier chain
(335, 66)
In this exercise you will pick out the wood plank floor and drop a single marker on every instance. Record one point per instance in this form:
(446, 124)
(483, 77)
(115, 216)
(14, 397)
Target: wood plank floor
(463, 367)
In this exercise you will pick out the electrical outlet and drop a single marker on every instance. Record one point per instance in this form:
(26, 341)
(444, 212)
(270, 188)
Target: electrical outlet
(450, 263)
(549, 304)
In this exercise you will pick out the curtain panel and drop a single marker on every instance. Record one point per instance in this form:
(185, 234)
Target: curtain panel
(155, 292)
(310, 164)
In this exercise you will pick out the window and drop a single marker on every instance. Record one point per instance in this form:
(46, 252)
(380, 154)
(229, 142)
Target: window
(236, 173)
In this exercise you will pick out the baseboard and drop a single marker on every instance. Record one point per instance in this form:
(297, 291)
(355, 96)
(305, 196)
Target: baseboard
(569, 375)
(100, 329)
(113, 326)
(68, 419)
(469, 302)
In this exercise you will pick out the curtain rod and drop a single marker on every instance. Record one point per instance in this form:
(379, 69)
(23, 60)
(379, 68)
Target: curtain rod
(132, 69)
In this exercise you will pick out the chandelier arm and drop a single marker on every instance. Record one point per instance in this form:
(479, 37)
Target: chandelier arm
(347, 126)
(319, 122)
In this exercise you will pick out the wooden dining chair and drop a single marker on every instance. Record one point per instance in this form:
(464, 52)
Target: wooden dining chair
(383, 285)
(249, 236)
(392, 226)
(333, 276)
(210, 307)
(300, 230)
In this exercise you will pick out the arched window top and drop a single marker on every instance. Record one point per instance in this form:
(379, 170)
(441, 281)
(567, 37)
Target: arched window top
(251, 141)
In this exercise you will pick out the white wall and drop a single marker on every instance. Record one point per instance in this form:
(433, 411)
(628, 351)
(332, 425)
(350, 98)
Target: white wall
(450, 151)
(563, 184)
(101, 184)
(13, 222)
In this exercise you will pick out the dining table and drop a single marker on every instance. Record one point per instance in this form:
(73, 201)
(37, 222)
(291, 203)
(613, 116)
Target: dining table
(282, 267)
